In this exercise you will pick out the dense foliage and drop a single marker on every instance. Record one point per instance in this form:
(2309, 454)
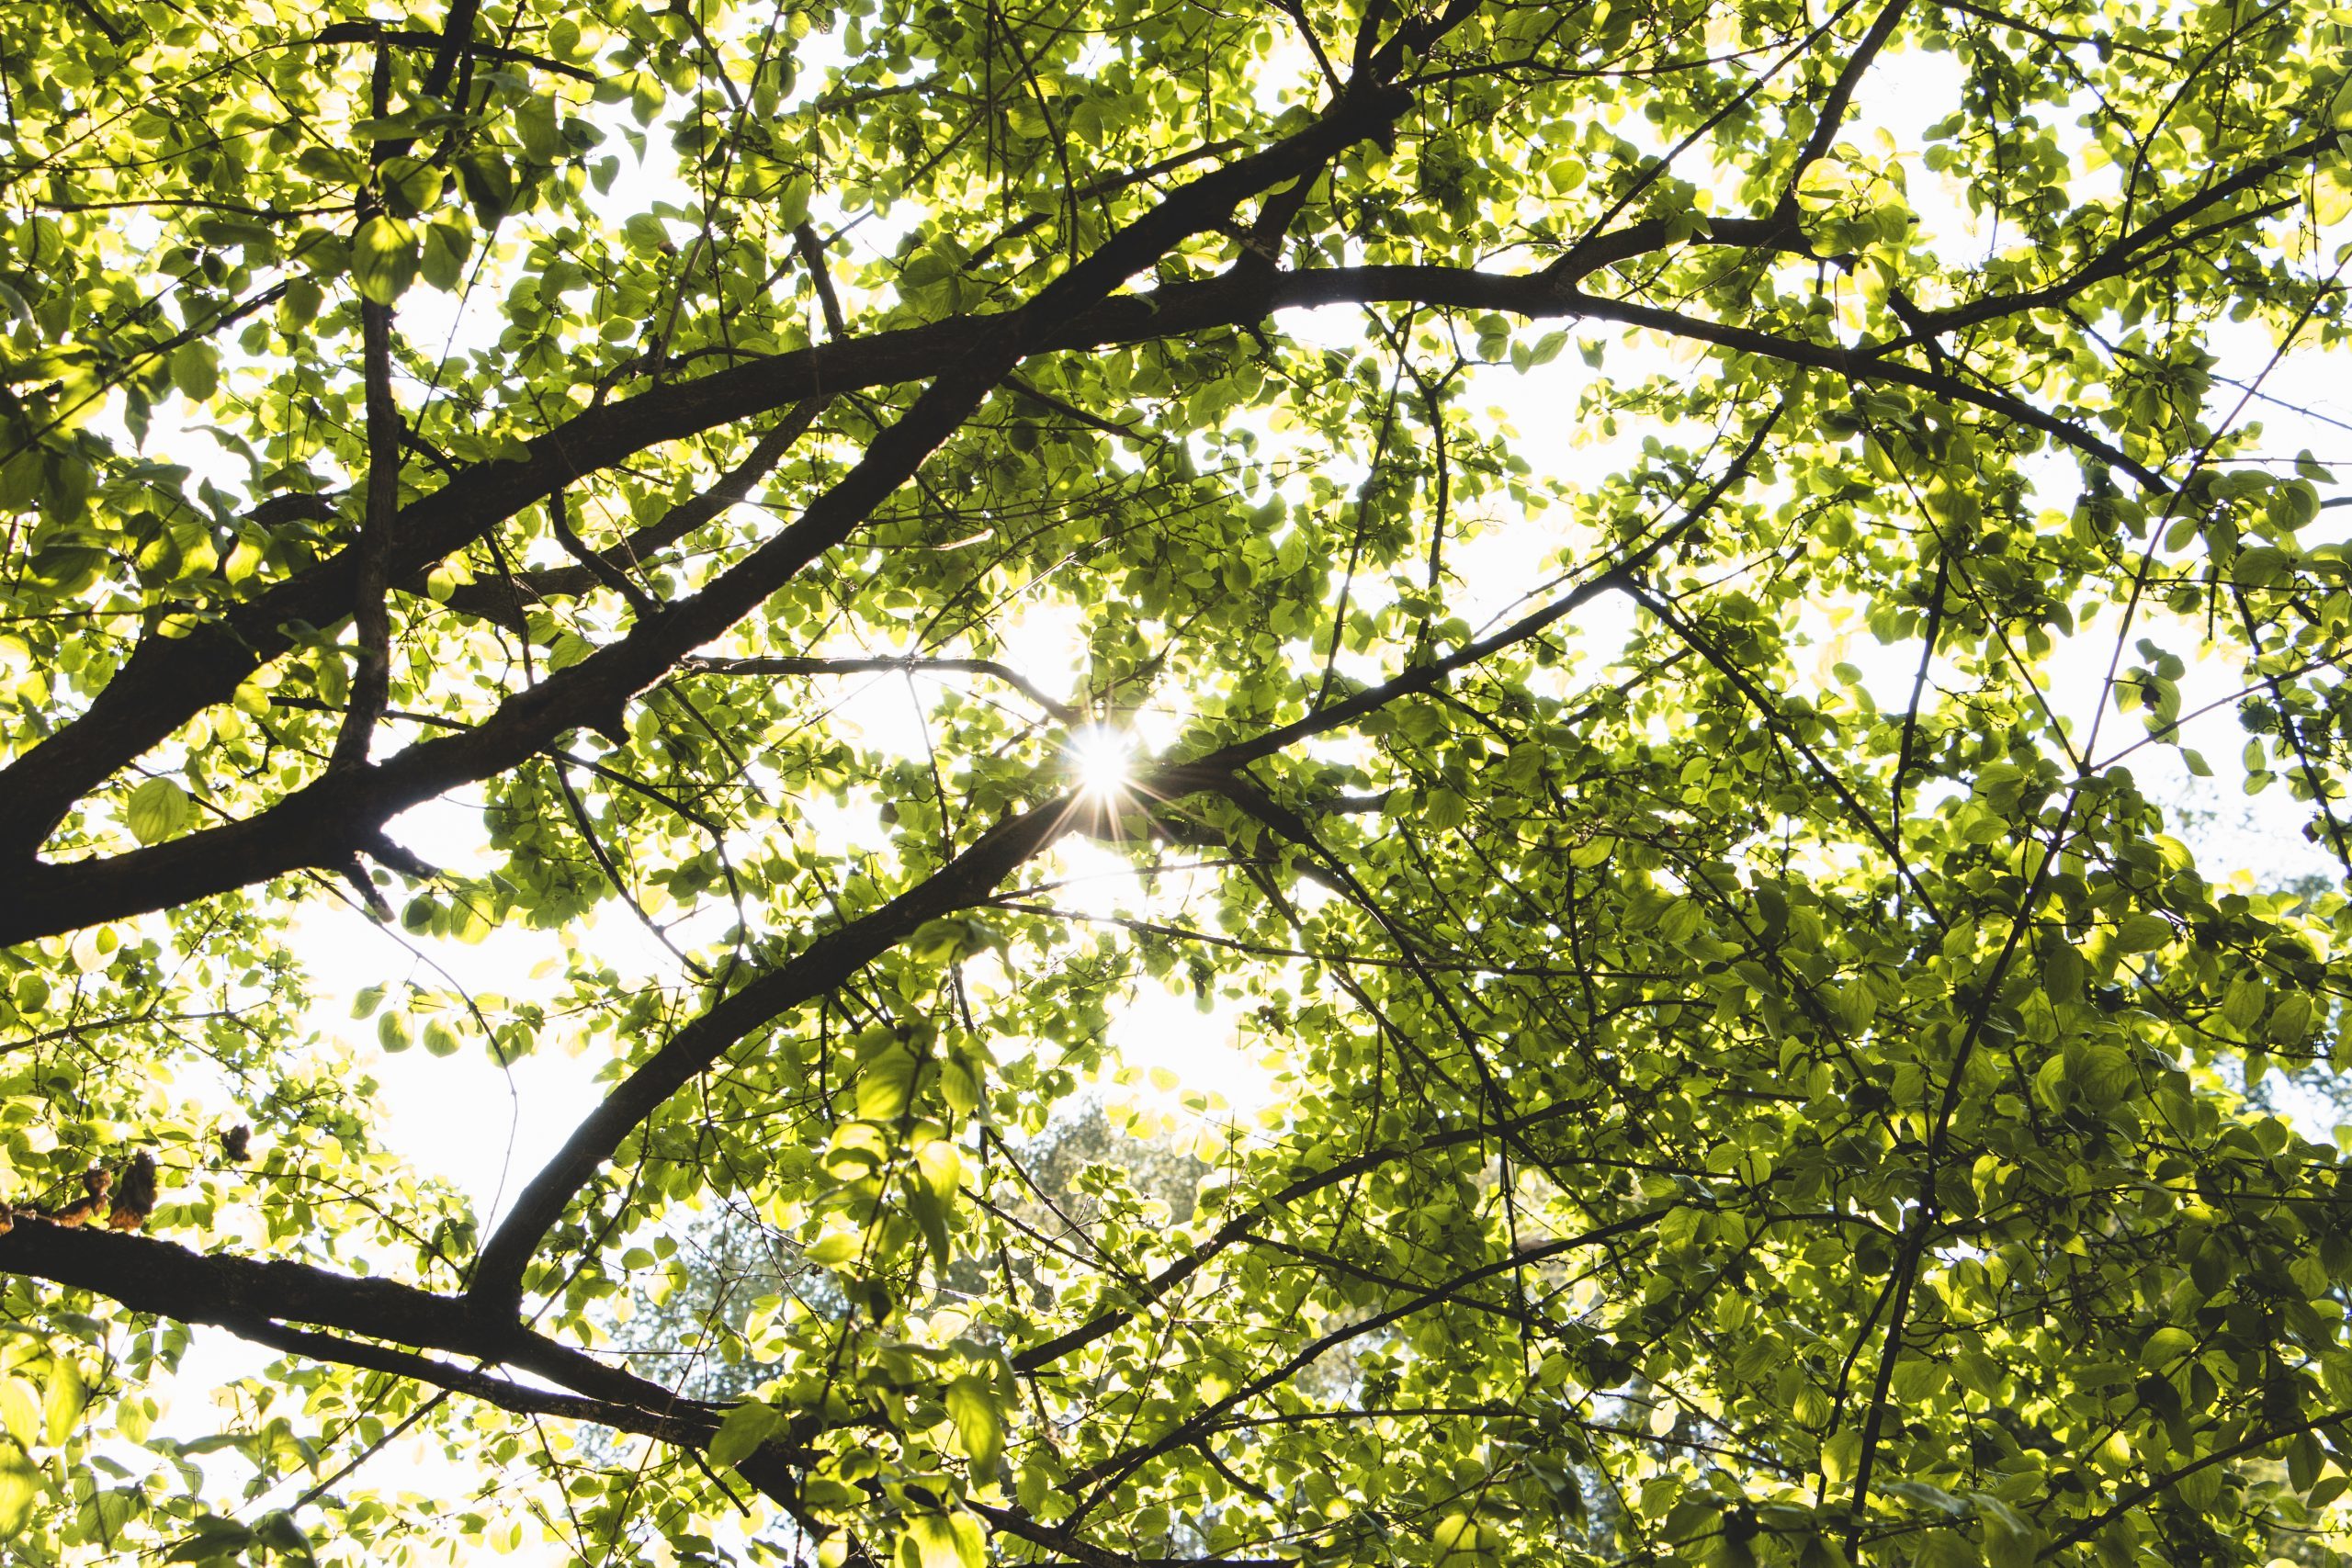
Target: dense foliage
(1761, 1088)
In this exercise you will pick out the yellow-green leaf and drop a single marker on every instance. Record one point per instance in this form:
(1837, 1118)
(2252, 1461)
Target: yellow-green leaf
(2291, 1019)
(742, 1430)
(941, 1170)
(886, 1085)
(941, 1540)
(535, 126)
(961, 1083)
(384, 258)
(2242, 1005)
(64, 1399)
(443, 260)
(978, 1425)
(195, 370)
(20, 1484)
(21, 1410)
(158, 811)
(832, 1249)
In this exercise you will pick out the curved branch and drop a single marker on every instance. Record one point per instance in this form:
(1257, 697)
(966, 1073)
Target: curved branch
(501, 1392)
(167, 682)
(507, 600)
(259, 1298)
(314, 826)
(1063, 712)
(818, 969)
(1242, 1225)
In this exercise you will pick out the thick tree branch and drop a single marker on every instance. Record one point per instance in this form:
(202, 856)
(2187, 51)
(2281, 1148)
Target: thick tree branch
(371, 610)
(2116, 259)
(507, 600)
(264, 1300)
(604, 571)
(311, 826)
(165, 683)
(820, 969)
(501, 1392)
(1830, 117)
(244, 1295)
(965, 881)
(1860, 366)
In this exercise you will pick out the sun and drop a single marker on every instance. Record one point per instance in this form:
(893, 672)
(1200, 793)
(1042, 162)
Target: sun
(1099, 760)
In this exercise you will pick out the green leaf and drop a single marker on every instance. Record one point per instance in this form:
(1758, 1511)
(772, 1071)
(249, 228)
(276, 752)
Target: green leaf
(941, 1540)
(21, 1410)
(568, 649)
(971, 1403)
(283, 1536)
(63, 1399)
(1458, 1538)
(2330, 196)
(384, 258)
(939, 1168)
(742, 1430)
(2164, 1346)
(2242, 1005)
(833, 1248)
(19, 1485)
(158, 809)
(442, 261)
(949, 939)
(196, 371)
(2258, 566)
(2062, 969)
(2103, 1074)
(962, 1082)
(1929, 1496)
(489, 185)
(885, 1084)
(2010, 1540)
(213, 1539)
(535, 124)
(792, 202)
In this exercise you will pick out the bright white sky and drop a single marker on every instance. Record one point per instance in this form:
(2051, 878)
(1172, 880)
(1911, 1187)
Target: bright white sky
(485, 1129)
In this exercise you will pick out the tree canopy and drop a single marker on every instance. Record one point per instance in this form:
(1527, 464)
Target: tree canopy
(1758, 1081)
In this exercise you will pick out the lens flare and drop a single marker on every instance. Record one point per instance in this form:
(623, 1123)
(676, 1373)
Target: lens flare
(1099, 760)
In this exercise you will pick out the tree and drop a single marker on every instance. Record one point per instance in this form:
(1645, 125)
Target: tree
(1739, 1105)
(733, 1266)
